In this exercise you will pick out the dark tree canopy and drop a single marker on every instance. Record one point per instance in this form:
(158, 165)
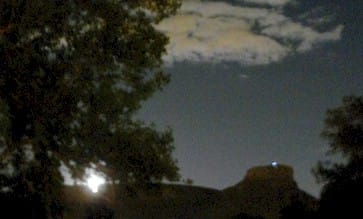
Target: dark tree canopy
(344, 132)
(72, 76)
(343, 189)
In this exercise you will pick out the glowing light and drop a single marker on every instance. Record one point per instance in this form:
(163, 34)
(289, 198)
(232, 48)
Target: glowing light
(94, 181)
(274, 163)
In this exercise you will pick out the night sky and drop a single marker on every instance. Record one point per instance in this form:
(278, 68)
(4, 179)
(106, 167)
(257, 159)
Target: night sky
(251, 82)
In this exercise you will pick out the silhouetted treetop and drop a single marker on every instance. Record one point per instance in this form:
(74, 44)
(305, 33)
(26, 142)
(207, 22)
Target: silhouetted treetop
(343, 180)
(344, 128)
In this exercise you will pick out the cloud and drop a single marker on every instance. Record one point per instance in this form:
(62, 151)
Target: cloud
(267, 2)
(218, 31)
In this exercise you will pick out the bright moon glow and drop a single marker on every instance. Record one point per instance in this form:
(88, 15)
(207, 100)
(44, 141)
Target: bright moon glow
(94, 181)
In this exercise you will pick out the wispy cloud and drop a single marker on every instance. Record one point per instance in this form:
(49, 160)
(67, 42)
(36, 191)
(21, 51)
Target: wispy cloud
(267, 2)
(217, 31)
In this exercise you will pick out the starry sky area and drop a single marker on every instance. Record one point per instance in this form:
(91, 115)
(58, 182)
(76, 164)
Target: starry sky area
(251, 81)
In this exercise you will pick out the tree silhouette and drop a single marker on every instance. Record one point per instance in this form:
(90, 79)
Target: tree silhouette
(72, 76)
(343, 189)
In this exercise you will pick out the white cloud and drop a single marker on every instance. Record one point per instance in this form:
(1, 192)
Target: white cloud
(305, 35)
(267, 2)
(217, 31)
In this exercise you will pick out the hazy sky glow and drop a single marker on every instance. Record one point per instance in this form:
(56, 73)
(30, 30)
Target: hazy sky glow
(251, 82)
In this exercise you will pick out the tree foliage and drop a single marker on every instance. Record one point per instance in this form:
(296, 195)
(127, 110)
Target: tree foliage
(344, 181)
(344, 132)
(72, 76)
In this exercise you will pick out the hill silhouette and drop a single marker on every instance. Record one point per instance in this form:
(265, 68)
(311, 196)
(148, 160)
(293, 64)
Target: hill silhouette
(263, 193)
(266, 190)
